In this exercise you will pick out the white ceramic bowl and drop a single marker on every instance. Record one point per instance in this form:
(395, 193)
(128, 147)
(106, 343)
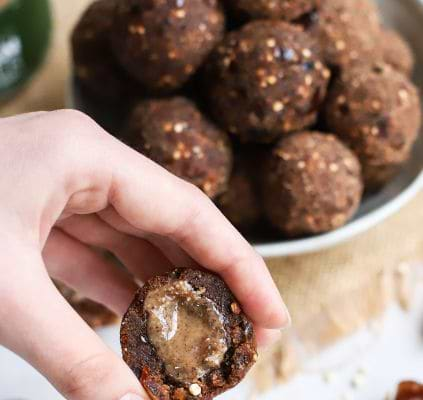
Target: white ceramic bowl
(407, 17)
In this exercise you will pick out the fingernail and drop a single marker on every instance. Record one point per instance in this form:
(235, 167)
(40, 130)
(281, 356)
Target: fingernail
(131, 396)
(288, 321)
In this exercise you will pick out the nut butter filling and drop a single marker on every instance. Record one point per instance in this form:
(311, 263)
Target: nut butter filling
(186, 330)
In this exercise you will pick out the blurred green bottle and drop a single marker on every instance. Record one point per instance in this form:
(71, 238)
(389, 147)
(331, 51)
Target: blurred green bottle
(24, 37)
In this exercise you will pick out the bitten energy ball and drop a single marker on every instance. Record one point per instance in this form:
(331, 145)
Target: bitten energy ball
(94, 314)
(349, 31)
(274, 9)
(312, 184)
(241, 202)
(186, 337)
(409, 391)
(162, 43)
(376, 111)
(93, 61)
(397, 52)
(266, 80)
(173, 133)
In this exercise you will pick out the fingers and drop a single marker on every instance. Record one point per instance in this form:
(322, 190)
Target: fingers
(140, 257)
(43, 329)
(100, 171)
(173, 252)
(175, 209)
(88, 272)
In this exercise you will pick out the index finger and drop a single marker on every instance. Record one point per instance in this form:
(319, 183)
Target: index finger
(152, 199)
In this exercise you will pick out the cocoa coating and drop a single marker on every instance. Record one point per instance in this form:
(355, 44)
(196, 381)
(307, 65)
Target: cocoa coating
(409, 391)
(162, 43)
(312, 184)
(241, 203)
(349, 31)
(376, 111)
(266, 80)
(142, 358)
(274, 9)
(94, 314)
(397, 52)
(174, 133)
(93, 61)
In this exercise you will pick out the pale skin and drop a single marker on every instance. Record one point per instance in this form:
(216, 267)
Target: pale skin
(68, 187)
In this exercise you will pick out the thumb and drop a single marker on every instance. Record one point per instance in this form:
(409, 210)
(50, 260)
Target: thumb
(43, 329)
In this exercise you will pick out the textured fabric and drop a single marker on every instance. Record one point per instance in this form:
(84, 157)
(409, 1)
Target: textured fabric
(332, 293)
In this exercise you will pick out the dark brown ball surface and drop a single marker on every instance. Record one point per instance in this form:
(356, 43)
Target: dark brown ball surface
(240, 203)
(174, 133)
(349, 32)
(397, 52)
(153, 371)
(376, 111)
(94, 65)
(312, 184)
(274, 9)
(162, 43)
(266, 80)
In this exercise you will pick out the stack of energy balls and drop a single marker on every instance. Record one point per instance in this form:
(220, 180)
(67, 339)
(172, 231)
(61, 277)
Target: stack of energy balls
(279, 110)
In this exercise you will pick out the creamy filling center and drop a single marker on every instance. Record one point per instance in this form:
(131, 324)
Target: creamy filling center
(186, 330)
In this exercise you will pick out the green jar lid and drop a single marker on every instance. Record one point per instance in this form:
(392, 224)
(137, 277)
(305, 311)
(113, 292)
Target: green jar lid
(24, 37)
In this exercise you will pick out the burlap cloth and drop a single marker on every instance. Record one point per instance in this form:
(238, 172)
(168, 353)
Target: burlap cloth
(330, 293)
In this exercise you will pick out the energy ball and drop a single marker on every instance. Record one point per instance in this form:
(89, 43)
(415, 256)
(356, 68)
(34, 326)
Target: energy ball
(94, 314)
(185, 337)
(312, 184)
(163, 43)
(349, 31)
(274, 9)
(241, 202)
(174, 133)
(376, 111)
(266, 80)
(397, 52)
(94, 66)
(409, 391)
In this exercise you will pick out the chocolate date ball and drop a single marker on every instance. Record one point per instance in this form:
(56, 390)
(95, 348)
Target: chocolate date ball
(186, 337)
(376, 111)
(174, 133)
(162, 43)
(397, 52)
(409, 390)
(348, 30)
(94, 314)
(312, 184)
(276, 9)
(94, 65)
(266, 80)
(241, 203)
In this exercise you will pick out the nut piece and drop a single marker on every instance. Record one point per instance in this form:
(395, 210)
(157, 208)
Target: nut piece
(235, 308)
(195, 389)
